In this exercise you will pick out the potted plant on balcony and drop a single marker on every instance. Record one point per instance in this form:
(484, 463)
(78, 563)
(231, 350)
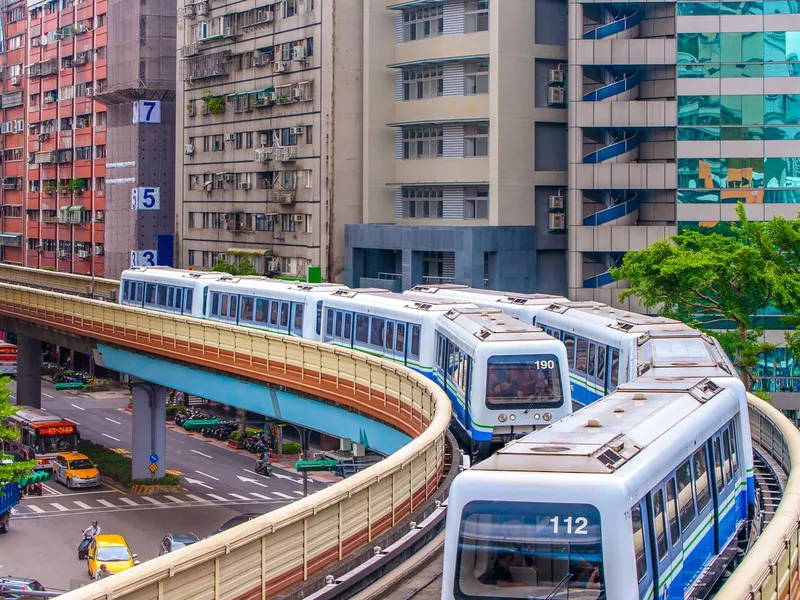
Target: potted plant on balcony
(50, 187)
(78, 186)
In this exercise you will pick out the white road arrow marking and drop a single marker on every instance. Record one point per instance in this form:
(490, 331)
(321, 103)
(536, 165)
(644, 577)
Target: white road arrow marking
(251, 480)
(197, 482)
(206, 475)
(295, 479)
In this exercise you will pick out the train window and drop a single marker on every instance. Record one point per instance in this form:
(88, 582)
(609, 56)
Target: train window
(590, 362)
(234, 305)
(139, 291)
(569, 344)
(581, 351)
(376, 328)
(726, 449)
(441, 352)
(126, 290)
(339, 324)
(415, 341)
(273, 313)
(149, 293)
(224, 310)
(329, 322)
(613, 376)
(734, 457)
(672, 511)
(247, 308)
(215, 304)
(660, 524)
(601, 364)
(189, 298)
(527, 380)
(348, 326)
(284, 314)
(702, 490)
(685, 496)
(298, 318)
(261, 311)
(389, 335)
(179, 298)
(638, 542)
(319, 317)
(171, 297)
(162, 296)
(400, 342)
(362, 329)
(718, 465)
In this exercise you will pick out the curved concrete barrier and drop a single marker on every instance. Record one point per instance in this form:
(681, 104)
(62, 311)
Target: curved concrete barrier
(272, 553)
(770, 569)
(107, 289)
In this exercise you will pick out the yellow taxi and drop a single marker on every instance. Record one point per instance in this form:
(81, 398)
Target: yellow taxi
(75, 470)
(112, 551)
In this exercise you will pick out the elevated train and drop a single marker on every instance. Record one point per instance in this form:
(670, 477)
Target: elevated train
(505, 378)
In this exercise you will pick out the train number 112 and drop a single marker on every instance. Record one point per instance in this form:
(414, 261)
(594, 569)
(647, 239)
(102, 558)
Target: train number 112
(573, 526)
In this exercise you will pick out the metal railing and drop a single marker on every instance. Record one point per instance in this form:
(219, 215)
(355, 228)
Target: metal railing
(287, 546)
(82, 285)
(770, 569)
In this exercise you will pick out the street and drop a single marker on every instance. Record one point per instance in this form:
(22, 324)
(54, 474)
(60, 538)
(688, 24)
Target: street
(220, 483)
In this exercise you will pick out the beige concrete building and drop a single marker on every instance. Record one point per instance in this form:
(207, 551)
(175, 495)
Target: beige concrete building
(270, 108)
(464, 145)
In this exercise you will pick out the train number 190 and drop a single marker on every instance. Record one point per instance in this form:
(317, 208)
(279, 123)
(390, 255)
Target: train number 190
(572, 526)
(545, 364)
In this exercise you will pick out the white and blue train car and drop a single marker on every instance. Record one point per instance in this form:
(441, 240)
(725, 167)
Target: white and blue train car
(166, 289)
(283, 307)
(639, 496)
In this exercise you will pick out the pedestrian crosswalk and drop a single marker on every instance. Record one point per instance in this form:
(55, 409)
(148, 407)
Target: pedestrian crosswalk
(33, 507)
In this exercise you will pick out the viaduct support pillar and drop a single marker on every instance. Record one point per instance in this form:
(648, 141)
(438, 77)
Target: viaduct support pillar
(149, 429)
(29, 372)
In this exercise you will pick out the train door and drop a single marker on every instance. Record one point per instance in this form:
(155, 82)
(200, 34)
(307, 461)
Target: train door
(675, 539)
(388, 342)
(296, 319)
(600, 370)
(284, 314)
(719, 493)
(660, 541)
(400, 343)
(347, 332)
(725, 485)
(612, 375)
(643, 549)
(594, 387)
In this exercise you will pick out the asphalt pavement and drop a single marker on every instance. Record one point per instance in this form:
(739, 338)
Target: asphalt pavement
(220, 483)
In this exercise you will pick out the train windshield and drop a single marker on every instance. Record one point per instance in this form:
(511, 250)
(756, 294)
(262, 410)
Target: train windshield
(529, 380)
(534, 550)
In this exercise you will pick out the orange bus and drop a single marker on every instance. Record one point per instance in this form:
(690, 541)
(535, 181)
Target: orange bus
(42, 435)
(8, 359)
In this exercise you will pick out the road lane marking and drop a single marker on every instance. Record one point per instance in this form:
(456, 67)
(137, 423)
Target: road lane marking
(174, 499)
(287, 496)
(129, 502)
(47, 395)
(215, 497)
(113, 421)
(36, 509)
(201, 453)
(112, 437)
(76, 406)
(197, 482)
(81, 504)
(196, 498)
(299, 492)
(262, 496)
(207, 475)
(105, 503)
(53, 491)
(59, 507)
(151, 500)
(238, 496)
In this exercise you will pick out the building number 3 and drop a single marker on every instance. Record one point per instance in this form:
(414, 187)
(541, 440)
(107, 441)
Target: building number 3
(573, 526)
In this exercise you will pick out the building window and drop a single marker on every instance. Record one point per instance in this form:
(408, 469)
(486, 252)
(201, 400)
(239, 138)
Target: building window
(288, 224)
(100, 185)
(100, 119)
(476, 78)
(421, 23)
(289, 8)
(476, 16)
(83, 153)
(476, 139)
(100, 151)
(422, 203)
(192, 258)
(423, 82)
(217, 143)
(423, 142)
(476, 202)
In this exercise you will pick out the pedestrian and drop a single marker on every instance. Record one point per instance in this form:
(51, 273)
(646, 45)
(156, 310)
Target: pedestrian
(102, 572)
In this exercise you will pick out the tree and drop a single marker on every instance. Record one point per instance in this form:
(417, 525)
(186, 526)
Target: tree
(242, 268)
(721, 281)
(9, 470)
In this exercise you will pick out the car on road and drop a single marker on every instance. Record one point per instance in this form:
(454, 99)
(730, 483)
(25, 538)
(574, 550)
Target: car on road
(15, 587)
(75, 470)
(237, 520)
(176, 541)
(111, 550)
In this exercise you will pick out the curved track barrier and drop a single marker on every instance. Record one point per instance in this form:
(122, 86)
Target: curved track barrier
(69, 283)
(771, 568)
(272, 553)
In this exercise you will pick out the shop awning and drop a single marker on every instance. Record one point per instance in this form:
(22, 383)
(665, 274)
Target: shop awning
(75, 209)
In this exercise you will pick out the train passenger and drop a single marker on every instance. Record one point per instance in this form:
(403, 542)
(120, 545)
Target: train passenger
(500, 573)
(585, 575)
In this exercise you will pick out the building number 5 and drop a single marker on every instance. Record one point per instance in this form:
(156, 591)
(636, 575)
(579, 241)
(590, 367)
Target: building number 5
(148, 198)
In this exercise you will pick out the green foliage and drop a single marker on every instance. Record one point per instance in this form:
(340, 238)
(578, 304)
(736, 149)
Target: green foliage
(118, 467)
(215, 104)
(175, 409)
(9, 470)
(719, 281)
(235, 436)
(77, 185)
(243, 267)
(253, 432)
(166, 480)
(291, 448)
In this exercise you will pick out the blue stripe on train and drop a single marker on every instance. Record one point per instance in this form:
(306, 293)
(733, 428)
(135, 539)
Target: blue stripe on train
(583, 395)
(458, 410)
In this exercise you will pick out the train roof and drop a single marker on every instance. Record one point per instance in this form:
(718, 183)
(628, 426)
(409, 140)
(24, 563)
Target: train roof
(498, 296)
(669, 353)
(602, 437)
(608, 316)
(256, 281)
(170, 273)
(381, 297)
(491, 325)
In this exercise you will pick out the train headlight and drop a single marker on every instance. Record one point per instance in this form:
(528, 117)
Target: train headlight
(501, 418)
(512, 417)
(536, 417)
(547, 416)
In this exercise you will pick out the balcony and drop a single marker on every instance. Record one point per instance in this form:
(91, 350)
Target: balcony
(285, 153)
(206, 66)
(263, 155)
(282, 196)
(11, 240)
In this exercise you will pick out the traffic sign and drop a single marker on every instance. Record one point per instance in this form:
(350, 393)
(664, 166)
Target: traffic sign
(153, 467)
(154, 458)
(305, 466)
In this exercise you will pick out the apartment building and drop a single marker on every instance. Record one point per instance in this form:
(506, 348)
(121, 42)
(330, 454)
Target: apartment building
(464, 145)
(269, 102)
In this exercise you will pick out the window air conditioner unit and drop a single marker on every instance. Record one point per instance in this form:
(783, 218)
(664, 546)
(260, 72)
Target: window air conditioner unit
(275, 265)
(264, 140)
(229, 176)
(15, 80)
(298, 130)
(208, 186)
(555, 202)
(188, 149)
(279, 66)
(63, 254)
(297, 218)
(82, 28)
(555, 95)
(231, 137)
(83, 254)
(557, 222)
(243, 185)
(555, 76)
(299, 53)
(90, 91)
(98, 251)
